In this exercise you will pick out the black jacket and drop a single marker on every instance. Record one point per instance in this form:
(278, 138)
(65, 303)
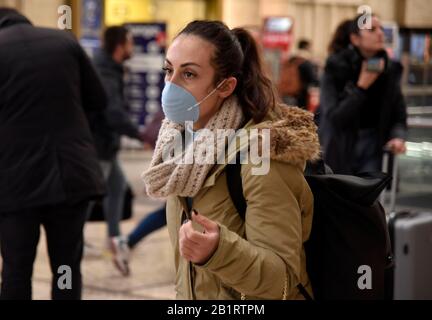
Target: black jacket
(47, 154)
(346, 108)
(308, 76)
(109, 125)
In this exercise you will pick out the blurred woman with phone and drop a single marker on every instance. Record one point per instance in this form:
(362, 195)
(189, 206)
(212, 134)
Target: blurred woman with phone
(362, 105)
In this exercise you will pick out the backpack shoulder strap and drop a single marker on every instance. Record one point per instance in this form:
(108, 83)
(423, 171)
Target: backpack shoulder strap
(235, 189)
(235, 186)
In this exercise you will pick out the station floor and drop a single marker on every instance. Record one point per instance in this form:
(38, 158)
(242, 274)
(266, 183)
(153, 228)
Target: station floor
(152, 263)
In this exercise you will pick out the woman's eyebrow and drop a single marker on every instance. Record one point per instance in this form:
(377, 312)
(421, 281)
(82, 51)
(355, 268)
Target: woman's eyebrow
(185, 64)
(190, 64)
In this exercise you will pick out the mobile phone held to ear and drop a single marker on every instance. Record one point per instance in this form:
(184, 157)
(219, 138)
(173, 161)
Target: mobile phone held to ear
(375, 64)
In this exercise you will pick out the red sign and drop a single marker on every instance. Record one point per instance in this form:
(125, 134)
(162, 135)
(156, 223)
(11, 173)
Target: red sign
(278, 33)
(277, 41)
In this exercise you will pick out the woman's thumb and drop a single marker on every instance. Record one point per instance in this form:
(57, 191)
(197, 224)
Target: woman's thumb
(206, 223)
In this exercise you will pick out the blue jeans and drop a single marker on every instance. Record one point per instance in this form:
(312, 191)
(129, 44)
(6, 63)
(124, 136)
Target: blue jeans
(150, 223)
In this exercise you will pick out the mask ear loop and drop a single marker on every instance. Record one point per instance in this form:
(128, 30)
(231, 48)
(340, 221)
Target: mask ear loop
(205, 98)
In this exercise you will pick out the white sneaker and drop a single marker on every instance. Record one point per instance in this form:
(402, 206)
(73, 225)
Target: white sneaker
(120, 254)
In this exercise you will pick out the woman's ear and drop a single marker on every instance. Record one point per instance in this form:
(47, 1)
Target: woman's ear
(227, 88)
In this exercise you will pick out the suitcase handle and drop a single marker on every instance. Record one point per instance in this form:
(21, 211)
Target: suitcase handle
(385, 168)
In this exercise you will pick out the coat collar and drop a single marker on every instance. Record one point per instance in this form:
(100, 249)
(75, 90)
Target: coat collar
(293, 139)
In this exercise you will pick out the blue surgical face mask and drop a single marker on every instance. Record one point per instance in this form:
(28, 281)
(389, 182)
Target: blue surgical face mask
(179, 105)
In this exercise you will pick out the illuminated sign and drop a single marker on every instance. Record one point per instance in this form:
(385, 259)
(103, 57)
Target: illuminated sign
(278, 33)
(118, 12)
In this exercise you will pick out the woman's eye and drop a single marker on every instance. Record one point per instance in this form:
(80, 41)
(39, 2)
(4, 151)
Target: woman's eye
(188, 75)
(167, 70)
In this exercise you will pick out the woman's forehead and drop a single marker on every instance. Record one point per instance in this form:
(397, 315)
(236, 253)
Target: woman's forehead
(190, 48)
(376, 21)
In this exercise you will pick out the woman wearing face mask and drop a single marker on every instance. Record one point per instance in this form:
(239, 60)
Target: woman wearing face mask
(362, 106)
(214, 77)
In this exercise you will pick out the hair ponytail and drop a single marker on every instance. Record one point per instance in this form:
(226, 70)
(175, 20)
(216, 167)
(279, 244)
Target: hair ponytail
(236, 54)
(341, 37)
(255, 90)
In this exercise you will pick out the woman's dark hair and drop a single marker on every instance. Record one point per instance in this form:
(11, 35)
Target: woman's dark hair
(341, 38)
(114, 36)
(236, 54)
(303, 44)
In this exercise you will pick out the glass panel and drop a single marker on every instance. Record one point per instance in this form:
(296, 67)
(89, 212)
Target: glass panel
(415, 168)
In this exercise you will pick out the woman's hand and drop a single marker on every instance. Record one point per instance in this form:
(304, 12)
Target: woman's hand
(367, 78)
(195, 246)
(396, 145)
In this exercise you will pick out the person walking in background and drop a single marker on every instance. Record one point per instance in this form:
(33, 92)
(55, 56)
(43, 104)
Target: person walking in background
(152, 222)
(298, 75)
(363, 109)
(107, 127)
(48, 164)
(304, 50)
(156, 219)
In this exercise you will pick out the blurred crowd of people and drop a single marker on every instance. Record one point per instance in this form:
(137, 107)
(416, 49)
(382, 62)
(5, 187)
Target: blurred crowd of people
(61, 121)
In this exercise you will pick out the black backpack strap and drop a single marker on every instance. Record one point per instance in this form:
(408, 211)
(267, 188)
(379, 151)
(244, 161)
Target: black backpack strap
(235, 189)
(303, 292)
(235, 186)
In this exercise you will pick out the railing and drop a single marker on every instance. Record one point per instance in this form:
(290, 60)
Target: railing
(420, 117)
(419, 111)
(417, 90)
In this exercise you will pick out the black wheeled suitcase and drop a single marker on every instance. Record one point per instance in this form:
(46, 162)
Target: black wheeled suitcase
(411, 237)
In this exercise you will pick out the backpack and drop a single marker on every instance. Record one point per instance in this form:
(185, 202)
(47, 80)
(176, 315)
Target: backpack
(290, 82)
(349, 239)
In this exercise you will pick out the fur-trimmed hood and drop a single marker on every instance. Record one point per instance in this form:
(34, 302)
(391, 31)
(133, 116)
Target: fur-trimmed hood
(293, 135)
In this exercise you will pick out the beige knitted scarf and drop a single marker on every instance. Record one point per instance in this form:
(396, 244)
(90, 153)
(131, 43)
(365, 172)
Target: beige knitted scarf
(170, 172)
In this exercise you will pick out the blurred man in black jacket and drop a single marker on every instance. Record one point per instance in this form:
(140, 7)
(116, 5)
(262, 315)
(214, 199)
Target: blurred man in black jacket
(108, 126)
(48, 164)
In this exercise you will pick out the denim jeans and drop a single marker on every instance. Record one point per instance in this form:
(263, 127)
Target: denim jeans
(150, 223)
(113, 202)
